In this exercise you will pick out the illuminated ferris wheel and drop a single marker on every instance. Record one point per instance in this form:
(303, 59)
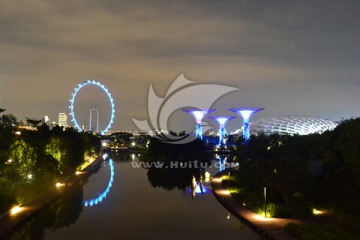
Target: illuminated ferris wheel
(92, 107)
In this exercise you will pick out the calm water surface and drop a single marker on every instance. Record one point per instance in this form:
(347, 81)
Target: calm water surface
(133, 209)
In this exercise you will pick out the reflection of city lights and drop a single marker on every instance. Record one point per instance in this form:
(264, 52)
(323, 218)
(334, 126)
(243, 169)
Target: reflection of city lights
(228, 216)
(15, 210)
(207, 176)
(133, 157)
(198, 188)
(104, 156)
(99, 199)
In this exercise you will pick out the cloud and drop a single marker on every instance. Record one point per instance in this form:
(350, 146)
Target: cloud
(276, 48)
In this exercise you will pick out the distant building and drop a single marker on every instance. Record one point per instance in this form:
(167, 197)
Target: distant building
(62, 120)
(46, 120)
(291, 125)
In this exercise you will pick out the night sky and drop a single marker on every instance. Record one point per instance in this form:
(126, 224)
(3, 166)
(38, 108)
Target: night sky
(290, 57)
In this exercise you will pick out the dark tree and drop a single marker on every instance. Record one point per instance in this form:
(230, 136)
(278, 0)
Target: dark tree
(9, 120)
(33, 122)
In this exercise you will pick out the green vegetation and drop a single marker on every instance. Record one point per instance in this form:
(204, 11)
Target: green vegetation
(303, 172)
(33, 160)
(346, 229)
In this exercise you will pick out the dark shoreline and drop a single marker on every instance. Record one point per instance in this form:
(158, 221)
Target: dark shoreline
(266, 229)
(10, 223)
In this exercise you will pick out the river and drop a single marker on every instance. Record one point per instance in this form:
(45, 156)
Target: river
(119, 202)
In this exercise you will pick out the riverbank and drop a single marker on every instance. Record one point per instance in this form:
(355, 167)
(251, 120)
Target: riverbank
(270, 228)
(15, 218)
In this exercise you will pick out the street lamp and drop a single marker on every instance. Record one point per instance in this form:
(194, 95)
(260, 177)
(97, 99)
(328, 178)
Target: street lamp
(265, 201)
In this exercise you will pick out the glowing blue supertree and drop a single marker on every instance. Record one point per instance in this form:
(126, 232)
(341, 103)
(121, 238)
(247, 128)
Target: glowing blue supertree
(222, 131)
(246, 113)
(198, 115)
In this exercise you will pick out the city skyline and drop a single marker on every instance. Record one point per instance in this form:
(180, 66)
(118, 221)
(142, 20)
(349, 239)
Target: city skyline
(295, 58)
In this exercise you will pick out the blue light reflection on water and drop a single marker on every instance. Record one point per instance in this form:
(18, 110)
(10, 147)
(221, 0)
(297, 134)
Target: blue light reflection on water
(134, 209)
(198, 188)
(99, 199)
(222, 163)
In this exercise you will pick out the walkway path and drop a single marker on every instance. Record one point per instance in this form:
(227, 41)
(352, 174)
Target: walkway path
(271, 228)
(10, 222)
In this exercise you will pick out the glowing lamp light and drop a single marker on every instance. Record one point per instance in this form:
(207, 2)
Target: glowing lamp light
(261, 218)
(224, 192)
(15, 210)
(58, 185)
(317, 211)
(217, 180)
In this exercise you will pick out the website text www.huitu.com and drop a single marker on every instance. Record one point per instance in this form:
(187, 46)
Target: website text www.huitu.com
(174, 165)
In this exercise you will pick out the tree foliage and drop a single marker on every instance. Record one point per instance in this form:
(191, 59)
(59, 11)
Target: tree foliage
(39, 157)
(322, 170)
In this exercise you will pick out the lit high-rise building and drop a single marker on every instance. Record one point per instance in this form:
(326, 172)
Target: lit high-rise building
(62, 120)
(46, 120)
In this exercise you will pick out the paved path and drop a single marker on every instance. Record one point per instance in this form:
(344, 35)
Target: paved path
(11, 222)
(271, 228)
